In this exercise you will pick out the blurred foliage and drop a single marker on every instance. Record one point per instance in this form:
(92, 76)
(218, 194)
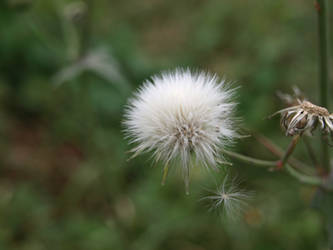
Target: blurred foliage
(66, 71)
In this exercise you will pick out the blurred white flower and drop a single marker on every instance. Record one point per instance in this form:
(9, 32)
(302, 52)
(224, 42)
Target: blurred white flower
(179, 114)
(228, 198)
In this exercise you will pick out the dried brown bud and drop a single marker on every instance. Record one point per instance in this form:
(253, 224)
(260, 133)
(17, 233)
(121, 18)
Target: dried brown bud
(305, 117)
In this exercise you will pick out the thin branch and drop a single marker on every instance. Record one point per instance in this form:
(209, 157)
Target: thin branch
(277, 151)
(311, 180)
(250, 160)
(165, 173)
(289, 151)
(321, 7)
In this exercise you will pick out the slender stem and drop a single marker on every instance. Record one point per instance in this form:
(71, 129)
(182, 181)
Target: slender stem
(321, 7)
(312, 180)
(289, 151)
(277, 151)
(250, 160)
(165, 173)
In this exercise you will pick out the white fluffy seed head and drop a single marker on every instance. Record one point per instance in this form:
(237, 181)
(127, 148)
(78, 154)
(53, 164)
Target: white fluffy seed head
(179, 114)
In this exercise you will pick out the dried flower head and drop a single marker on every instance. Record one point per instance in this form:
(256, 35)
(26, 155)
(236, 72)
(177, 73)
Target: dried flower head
(228, 198)
(179, 114)
(305, 117)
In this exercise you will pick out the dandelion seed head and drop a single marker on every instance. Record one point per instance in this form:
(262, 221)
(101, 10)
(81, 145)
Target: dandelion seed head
(179, 114)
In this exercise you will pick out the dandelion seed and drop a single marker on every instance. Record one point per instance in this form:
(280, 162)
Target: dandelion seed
(228, 198)
(180, 114)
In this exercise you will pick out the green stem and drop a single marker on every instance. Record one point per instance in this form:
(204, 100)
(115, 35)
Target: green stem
(311, 180)
(321, 7)
(250, 160)
(323, 50)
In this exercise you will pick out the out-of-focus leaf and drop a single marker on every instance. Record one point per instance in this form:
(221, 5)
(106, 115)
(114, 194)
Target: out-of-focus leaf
(99, 62)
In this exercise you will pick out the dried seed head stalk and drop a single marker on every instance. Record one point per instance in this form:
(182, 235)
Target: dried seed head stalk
(305, 117)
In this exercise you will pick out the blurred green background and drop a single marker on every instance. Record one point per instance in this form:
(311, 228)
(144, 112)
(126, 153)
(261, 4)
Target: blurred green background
(66, 71)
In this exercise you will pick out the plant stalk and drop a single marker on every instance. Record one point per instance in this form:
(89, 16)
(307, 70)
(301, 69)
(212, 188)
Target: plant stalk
(250, 160)
(277, 151)
(321, 7)
(311, 180)
(289, 151)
